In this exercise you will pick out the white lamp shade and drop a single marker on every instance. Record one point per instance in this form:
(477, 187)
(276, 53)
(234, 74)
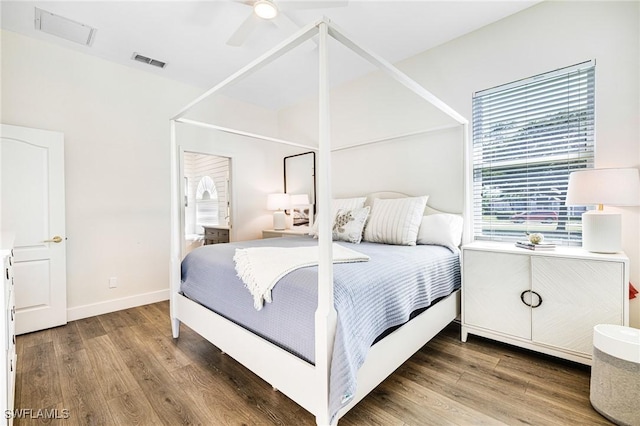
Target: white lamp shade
(278, 202)
(612, 187)
(602, 230)
(299, 200)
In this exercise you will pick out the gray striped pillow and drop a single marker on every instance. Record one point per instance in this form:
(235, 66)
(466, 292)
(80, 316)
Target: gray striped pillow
(395, 221)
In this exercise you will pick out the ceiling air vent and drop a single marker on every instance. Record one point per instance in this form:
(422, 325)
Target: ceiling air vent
(63, 27)
(147, 60)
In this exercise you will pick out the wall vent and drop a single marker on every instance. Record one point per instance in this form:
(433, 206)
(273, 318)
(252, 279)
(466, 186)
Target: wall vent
(60, 26)
(147, 60)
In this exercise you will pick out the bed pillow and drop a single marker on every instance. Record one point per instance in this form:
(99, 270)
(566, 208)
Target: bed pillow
(442, 229)
(338, 204)
(395, 221)
(349, 224)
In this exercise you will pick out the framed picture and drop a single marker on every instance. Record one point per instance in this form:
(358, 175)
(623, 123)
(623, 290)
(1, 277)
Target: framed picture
(302, 215)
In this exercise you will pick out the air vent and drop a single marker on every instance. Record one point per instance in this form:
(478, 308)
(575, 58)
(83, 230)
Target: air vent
(62, 27)
(147, 60)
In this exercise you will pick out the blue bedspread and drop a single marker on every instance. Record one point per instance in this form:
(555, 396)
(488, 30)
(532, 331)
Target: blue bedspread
(370, 297)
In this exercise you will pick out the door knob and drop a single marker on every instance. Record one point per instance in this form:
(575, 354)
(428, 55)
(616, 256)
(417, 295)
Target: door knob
(56, 239)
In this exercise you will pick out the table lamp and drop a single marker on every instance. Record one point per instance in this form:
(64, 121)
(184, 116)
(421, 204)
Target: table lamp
(298, 200)
(602, 230)
(279, 203)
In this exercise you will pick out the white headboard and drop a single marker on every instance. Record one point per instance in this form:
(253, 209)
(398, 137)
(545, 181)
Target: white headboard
(392, 194)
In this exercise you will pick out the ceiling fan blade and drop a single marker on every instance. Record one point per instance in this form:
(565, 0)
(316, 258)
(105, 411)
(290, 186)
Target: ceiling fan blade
(243, 31)
(246, 2)
(285, 23)
(318, 4)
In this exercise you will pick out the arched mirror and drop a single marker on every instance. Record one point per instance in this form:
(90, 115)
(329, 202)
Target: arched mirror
(300, 181)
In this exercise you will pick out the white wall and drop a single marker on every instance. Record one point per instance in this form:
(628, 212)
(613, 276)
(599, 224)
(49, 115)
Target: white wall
(544, 37)
(116, 125)
(421, 165)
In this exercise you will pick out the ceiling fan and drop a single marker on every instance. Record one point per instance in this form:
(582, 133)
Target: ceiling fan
(276, 12)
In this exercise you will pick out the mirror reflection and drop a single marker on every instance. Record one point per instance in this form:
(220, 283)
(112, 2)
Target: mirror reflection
(300, 183)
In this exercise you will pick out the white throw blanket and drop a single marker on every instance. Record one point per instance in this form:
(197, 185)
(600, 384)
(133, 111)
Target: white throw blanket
(260, 268)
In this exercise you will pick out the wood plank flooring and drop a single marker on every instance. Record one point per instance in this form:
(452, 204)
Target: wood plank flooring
(124, 368)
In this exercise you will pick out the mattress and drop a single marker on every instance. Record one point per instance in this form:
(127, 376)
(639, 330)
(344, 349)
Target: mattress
(370, 297)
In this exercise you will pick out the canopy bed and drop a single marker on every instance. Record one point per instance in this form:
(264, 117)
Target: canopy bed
(304, 373)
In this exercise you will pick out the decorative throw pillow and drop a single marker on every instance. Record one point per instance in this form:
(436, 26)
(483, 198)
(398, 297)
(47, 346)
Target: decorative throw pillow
(338, 204)
(349, 224)
(395, 221)
(442, 229)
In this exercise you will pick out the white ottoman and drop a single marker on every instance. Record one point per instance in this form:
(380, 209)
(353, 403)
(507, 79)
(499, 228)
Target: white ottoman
(615, 374)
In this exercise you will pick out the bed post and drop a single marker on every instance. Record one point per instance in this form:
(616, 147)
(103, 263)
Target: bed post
(176, 244)
(325, 317)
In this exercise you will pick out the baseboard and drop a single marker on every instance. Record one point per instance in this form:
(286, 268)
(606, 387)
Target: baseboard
(114, 305)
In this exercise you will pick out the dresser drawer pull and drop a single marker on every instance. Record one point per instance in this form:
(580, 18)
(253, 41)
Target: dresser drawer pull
(7, 272)
(529, 304)
(539, 299)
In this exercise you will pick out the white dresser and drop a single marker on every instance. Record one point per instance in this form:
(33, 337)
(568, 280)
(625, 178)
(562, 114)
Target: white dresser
(7, 330)
(547, 301)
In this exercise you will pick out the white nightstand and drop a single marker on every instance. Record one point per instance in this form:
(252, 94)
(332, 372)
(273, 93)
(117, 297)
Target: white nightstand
(298, 231)
(547, 301)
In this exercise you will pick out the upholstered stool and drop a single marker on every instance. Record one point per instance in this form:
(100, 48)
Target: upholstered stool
(615, 374)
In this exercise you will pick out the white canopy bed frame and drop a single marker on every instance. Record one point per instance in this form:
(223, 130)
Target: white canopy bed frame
(306, 384)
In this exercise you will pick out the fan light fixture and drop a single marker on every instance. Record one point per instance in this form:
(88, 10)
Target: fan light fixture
(265, 9)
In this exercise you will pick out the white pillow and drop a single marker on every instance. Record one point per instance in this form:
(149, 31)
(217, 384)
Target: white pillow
(349, 224)
(339, 204)
(442, 229)
(395, 221)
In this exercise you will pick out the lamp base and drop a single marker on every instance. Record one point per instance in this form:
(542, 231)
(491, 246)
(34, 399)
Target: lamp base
(279, 220)
(602, 232)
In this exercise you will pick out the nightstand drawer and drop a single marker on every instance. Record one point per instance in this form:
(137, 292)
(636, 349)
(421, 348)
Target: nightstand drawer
(213, 235)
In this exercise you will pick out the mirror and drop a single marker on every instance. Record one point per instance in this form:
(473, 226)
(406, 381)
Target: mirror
(300, 179)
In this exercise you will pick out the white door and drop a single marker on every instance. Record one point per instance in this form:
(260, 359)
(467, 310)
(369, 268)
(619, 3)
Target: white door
(493, 283)
(32, 193)
(576, 294)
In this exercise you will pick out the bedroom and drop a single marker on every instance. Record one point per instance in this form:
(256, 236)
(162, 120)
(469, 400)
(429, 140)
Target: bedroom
(103, 217)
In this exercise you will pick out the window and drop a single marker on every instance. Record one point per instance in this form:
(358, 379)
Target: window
(527, 137)
(206, 202)
(207, 183)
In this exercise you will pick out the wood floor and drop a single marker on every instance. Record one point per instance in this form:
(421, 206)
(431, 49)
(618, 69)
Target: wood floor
(124, 368)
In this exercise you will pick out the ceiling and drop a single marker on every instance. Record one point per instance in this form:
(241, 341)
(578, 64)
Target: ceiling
(191, 36)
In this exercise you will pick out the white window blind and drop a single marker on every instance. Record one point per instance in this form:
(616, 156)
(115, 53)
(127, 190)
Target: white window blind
(527, 137)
